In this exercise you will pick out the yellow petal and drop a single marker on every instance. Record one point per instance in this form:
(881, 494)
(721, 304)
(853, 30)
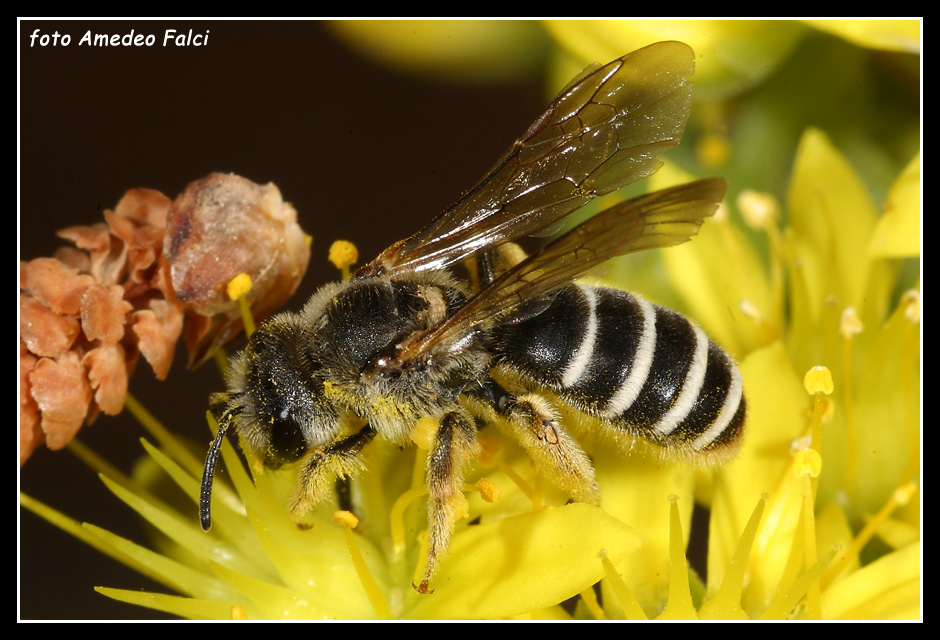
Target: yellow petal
(893, 35)
(897, 234)
(636, 490)
(887, 589)
(457, 50)
(731, 56)
(315, 567)
(707, 278)
(524, 563)
(833, 530)
(713, 274)
(832, 215)
(192, 608)
(888, 394)
(776, 402)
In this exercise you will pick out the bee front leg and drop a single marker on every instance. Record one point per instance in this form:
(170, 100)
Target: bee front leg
(338, 459)
(455, 445)
(532, 421)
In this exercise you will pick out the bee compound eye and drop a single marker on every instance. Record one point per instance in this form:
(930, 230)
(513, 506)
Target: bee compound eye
(287, 442)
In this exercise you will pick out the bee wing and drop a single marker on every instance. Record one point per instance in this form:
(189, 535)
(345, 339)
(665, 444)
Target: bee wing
(602, 132)
(661, 219)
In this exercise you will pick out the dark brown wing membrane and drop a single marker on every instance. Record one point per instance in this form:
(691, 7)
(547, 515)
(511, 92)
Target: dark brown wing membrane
(661, 219)
(602, 132)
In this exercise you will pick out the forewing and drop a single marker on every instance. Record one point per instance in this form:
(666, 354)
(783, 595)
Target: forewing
(661, 219)
(602, 132)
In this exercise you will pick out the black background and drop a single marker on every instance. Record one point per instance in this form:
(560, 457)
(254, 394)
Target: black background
(362, 153)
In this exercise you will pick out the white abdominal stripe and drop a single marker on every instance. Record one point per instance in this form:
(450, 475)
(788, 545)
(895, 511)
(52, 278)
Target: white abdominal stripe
(637, 366)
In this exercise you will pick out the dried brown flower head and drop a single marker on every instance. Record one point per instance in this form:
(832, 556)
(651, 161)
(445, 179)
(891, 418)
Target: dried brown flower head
(219, 227)
(123, 290)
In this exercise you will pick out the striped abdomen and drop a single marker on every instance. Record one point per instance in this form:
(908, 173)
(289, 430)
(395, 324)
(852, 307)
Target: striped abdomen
(635, 365)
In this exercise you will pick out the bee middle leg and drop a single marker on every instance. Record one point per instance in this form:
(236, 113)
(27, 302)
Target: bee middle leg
(455, 445)
(338, 459)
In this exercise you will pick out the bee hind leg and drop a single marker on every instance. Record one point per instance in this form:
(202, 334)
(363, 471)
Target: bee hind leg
(533, 422)
(338, 459)
(455, 445)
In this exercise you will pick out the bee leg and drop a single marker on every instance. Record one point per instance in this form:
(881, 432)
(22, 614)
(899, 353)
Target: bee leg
(532, 421)
(486, 270)
(491, 263)
(338, 459)
(455, 445)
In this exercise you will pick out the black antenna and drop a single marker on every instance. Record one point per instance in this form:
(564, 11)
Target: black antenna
(205, 492)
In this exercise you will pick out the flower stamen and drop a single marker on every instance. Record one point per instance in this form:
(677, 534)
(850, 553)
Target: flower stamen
(238, 288)
(486, 488)
(490, 456)
(909, 351)
(899, 497)
(349, 521)
(762, 211)
(813, 595)
(238, 612)
(397, 516)
(590, 601)
(343, 254)
(786, 600)
(818, 382)
(849, 326)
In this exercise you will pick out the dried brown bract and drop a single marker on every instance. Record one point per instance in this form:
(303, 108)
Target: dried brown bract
(123, 290)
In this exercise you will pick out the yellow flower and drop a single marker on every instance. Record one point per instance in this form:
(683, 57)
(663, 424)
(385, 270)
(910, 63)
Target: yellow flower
(865, 450)
(257, 563)
(788, 525)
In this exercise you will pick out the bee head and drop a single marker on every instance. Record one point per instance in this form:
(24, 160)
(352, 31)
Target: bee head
(276, 401)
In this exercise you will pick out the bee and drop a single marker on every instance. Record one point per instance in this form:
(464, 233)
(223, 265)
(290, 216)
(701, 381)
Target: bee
(406, 338)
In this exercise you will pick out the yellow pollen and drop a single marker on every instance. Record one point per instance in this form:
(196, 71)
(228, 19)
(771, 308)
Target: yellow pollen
(750, 310)
(460, 506)
(373, 593)
(489, 448)
(801, 443)
(343, 254)
(239, 286)
(713, 150)
(238, 612)
(903, 494)
(759, 210)
(808, 462)
(488, 489)
(425, 432)
(345, 518)
(851, 323)
(911, 300)
(818, 380)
